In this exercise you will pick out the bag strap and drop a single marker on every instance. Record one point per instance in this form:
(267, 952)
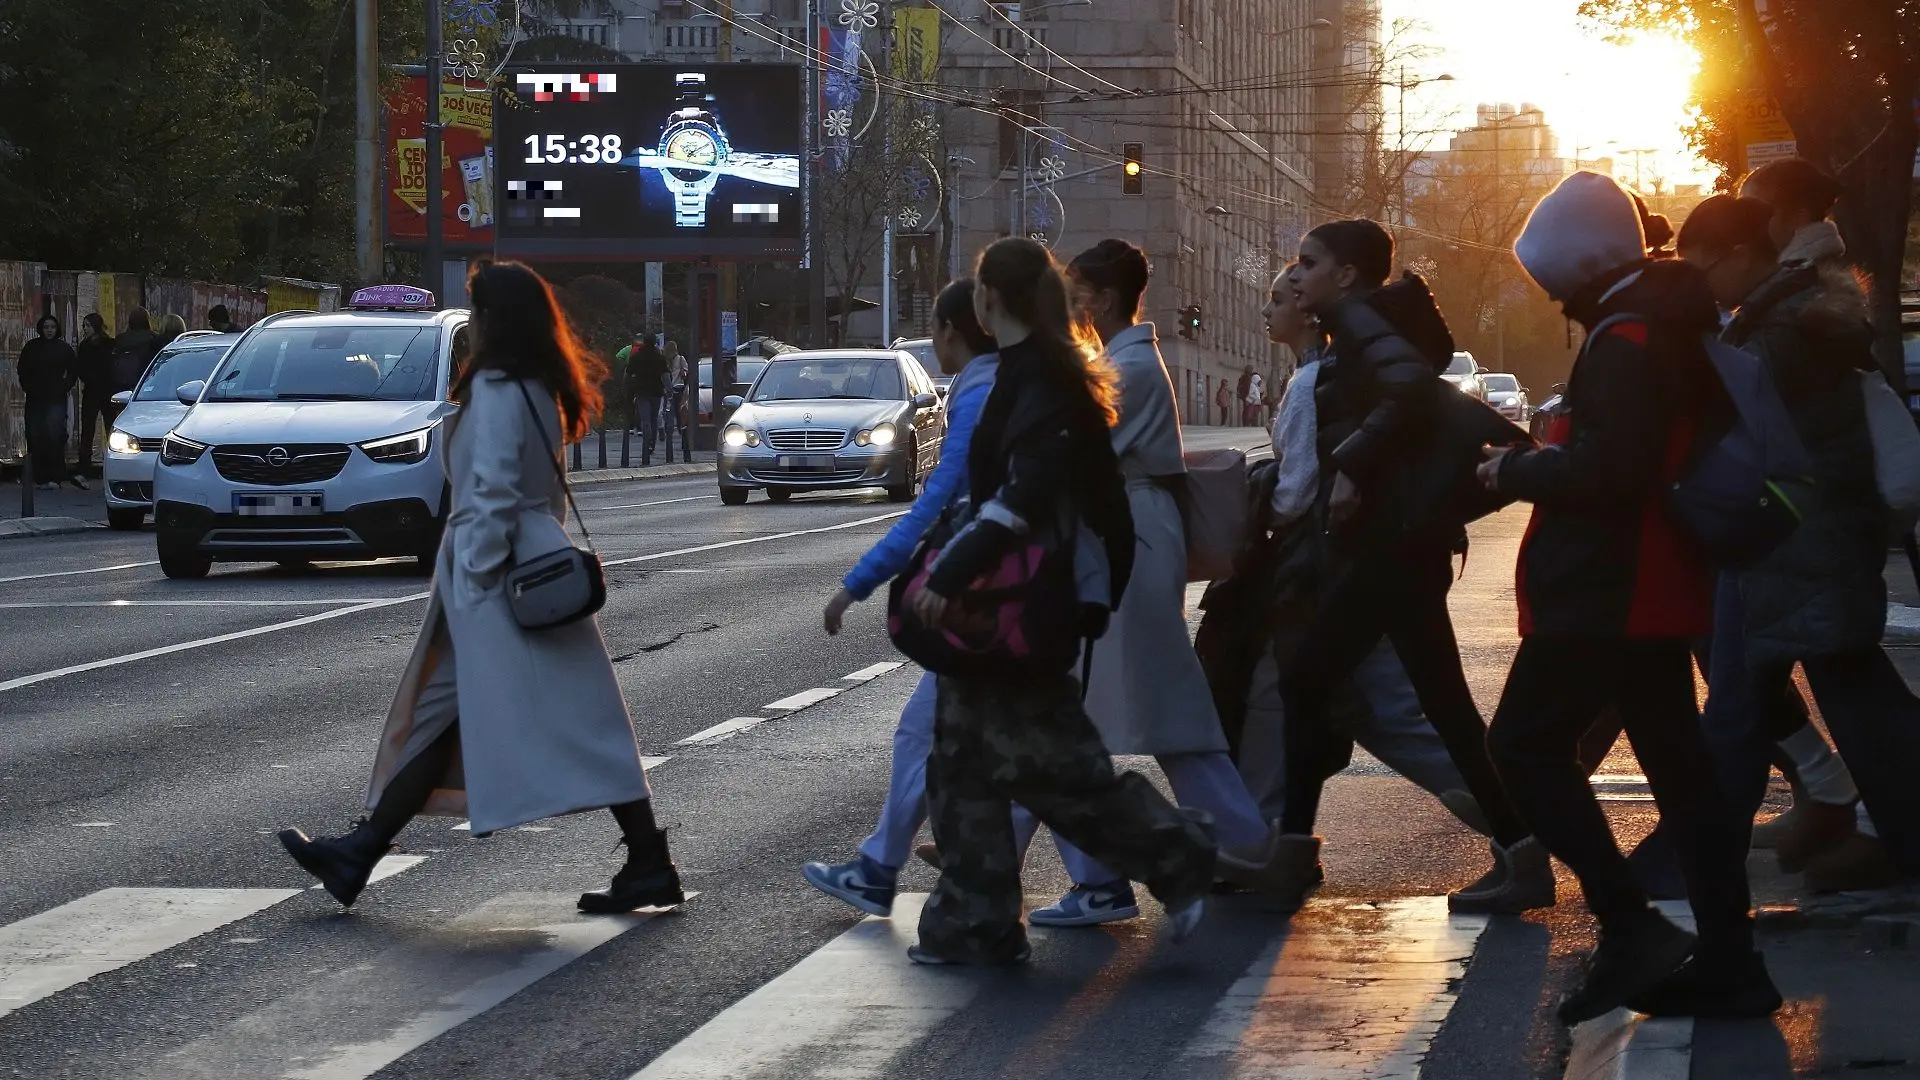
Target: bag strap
(553, 456)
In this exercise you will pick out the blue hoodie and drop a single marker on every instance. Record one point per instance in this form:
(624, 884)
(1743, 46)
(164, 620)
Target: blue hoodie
(965, 400)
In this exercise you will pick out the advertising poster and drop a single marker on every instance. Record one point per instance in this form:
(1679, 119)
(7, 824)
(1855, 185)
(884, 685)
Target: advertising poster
(1763, 130)
(653, 161)
(466, 164)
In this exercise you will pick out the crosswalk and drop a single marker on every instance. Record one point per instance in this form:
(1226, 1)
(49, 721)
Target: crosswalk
(1347, 991)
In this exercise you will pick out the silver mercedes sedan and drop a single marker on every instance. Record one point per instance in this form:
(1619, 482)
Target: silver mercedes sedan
(840, 418)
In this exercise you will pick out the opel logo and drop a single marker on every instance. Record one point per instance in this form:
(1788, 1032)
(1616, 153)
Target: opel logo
(278, 457)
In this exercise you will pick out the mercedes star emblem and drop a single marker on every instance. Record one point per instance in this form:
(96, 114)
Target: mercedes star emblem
(806, 418)
(278, 457)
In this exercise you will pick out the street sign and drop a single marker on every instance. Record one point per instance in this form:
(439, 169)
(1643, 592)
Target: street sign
(1762, 130)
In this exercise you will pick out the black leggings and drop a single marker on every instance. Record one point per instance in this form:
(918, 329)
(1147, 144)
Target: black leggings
(1406, 600)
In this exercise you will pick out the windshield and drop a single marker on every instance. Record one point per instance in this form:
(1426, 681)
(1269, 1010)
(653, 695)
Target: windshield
(747, 370)
(923, 351)
(331, 363)
(173, 367)
(802, 380)
(1462, 364)
(1502, 384)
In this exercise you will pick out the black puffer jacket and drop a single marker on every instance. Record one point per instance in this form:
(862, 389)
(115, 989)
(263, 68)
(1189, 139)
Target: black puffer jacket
(1822, 591)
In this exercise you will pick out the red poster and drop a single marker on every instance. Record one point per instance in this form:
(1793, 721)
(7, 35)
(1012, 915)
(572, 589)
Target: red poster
(466, 163)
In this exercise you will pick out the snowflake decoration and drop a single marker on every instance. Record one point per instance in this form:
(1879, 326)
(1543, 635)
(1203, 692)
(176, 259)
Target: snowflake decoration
(1039, 237)
(465, 60)
(919, 184)
(473, 14)
(858, 15)
(908, 218)
(1425, 266)
(1252, 267)
(1052, 169)
(838, 123)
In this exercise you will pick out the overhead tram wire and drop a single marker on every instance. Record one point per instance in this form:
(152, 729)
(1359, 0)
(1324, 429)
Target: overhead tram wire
(995, 9)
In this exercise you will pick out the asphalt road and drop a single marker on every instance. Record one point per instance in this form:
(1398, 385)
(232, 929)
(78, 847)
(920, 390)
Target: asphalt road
(155, 734)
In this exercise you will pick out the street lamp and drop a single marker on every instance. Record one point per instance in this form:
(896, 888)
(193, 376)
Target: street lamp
(1405, 85)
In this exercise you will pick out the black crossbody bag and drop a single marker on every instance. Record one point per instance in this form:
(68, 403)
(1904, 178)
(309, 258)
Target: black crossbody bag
(564, 586)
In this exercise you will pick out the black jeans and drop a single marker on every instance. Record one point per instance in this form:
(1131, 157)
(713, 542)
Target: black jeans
(646, 417)
(46, 422)
(1406, 600)
(1557, 687)
(93, 410)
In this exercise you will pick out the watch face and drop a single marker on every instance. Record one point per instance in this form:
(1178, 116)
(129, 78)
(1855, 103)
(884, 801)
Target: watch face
(696, 144)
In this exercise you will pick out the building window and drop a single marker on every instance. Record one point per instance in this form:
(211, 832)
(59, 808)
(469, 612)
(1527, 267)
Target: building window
(692, 37)
(595, 33)
(1014, 39)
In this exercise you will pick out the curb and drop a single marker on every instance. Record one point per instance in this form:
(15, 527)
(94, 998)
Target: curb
(1623, 1045)
(603, 476)
(16, 528)
(1903, 625)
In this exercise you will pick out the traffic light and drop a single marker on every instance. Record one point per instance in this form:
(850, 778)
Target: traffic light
(1191, 322)
(1130, 168)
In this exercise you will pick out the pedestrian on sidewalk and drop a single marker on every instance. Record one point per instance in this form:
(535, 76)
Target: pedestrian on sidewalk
(1224, 399)
(1820, 598)
(1147, 693)
(966, 353)
(1252, 400)
(133, 350)
(1042, 472)
(1611, 597)
(646, 370)
(47, 373)
(494, 722)
(171, 327)
(219, 320)
(1377, 401)
(94, 366)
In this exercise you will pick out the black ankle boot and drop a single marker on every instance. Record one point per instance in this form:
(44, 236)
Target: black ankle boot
(342, 864)
(649, 878)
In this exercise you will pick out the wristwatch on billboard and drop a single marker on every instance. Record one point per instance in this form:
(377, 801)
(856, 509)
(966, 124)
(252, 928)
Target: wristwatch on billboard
(694, 135)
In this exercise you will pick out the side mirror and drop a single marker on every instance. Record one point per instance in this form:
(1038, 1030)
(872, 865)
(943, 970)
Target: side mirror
(925, 401)
(123, 399)
(942, 391)
(189, 393)
(732, 402)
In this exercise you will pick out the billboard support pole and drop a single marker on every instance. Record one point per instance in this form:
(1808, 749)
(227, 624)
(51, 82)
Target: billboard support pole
(366, 134)
(435, 270)
(810, 146)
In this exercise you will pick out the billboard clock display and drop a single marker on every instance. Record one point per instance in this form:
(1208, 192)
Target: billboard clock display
(655, 161)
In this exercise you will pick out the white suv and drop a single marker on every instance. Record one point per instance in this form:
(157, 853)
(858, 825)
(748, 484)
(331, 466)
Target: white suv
(147, 413)
(318, 436)
(1464, 373)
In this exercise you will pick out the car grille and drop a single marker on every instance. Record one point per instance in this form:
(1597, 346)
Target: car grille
(306, 463)
(806, 438)
(805, 476)
(132, 490)
(149, 446)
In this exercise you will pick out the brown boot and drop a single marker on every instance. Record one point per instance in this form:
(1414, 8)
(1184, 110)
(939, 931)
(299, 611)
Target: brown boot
(1819, 828)
(1859, 862)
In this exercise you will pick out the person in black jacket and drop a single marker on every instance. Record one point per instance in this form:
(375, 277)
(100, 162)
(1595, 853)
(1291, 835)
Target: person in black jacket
(1819, 599)
(95, 370)
(133, 351)
(1377, 400)
(1041, 466)
(47, 375)
(1612, 596)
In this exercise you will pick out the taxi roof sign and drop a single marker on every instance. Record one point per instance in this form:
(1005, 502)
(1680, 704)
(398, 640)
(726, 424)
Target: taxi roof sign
(392, 298)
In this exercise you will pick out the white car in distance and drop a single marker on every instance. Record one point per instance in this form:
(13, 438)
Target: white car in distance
(1505, 394)
(147, 413)
(1464, 372)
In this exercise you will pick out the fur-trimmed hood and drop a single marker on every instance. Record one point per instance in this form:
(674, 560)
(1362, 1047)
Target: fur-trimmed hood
(1826, 301)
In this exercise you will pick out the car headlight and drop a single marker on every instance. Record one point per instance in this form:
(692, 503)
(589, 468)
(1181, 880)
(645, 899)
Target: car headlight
(878, 435)
(736, 435)
(119, 442)
(408, 449)
(175, 450)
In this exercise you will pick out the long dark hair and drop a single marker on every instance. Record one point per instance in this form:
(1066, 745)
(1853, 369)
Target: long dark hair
(525, 334)
(1034, 291)
(1360, 243)
(954, 307)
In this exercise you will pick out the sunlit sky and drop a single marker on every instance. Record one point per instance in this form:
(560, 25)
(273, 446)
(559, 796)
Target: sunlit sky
(1599, 97)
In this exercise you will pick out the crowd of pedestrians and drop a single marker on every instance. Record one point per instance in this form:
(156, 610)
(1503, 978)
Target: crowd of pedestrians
(1040, 581)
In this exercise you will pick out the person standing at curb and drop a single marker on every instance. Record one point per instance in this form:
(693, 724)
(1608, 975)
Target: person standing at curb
(646, 371)
(94, 366)
(965, 352)
(1612, 596)
(493, 721)
(47, 374)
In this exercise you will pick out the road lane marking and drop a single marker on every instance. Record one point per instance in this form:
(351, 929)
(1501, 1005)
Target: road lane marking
(659, 502)
(32, 605)
(724, 730)
(801, 700)
(308, 620)
(388, 866)
(1350, 989)
(46, 953)
(72, 573)
(419, 989)
(197, 643)
(846, 1011)
(868, 674)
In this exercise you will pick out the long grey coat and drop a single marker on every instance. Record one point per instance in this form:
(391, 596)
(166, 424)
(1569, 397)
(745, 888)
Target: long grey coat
(543, 726)
(1148, 694)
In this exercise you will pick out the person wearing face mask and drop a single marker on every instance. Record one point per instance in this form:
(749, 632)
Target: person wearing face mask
(1376, 397)
(1612, 596)
(47, 373)
(1820, 598)
(1041, 472)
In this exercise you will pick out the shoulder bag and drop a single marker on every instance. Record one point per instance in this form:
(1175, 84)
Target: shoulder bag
(564, 586)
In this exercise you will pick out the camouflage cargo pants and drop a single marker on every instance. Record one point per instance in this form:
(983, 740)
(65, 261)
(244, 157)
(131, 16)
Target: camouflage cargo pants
(998, 743)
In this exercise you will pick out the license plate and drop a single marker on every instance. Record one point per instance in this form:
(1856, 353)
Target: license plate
(277, 503)
(806, 461)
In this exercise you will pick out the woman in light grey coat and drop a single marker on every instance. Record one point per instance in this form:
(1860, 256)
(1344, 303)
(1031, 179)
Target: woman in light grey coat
(1147, 693)
(493, 722)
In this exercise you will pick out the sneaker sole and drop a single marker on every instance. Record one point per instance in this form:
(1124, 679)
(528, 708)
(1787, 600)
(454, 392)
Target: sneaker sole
(1116, 915)
(1500, 905)
(849, 897)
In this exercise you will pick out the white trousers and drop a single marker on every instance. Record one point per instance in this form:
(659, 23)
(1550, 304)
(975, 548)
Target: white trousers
(906, 806)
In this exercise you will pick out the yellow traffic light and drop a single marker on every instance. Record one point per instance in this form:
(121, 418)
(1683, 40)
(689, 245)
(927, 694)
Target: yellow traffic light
(1133, 168)
(1130, 180)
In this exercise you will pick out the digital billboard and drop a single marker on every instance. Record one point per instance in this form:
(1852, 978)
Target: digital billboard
(654, 161)
(466, 163)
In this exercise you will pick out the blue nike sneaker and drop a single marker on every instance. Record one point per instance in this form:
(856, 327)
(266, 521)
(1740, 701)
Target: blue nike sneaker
(1089, 905)
(863, 883)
